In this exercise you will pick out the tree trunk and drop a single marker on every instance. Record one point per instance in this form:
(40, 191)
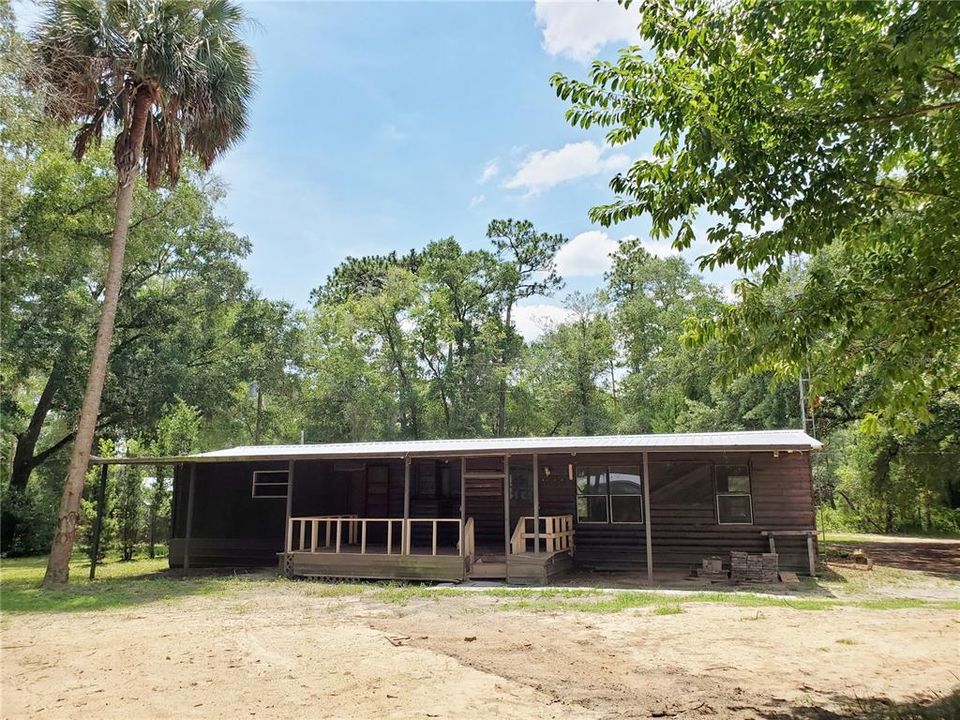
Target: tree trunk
(257, 425)
(502, 390)
(128, 165)
(23, 460)
(27, 440)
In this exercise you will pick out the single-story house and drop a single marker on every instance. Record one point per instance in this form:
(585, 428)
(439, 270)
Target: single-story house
(523, 509)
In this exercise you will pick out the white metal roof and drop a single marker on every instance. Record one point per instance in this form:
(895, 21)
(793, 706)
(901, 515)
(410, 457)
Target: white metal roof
(690, 442)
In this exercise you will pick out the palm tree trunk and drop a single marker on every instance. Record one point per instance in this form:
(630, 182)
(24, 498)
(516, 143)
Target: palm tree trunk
(128, 165)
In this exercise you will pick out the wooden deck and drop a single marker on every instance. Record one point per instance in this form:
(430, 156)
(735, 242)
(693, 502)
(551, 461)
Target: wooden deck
(537, 568)
(340, 546)
(374, 566)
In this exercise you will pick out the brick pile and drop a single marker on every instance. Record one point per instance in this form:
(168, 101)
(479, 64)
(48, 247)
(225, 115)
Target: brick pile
(712, 569)
(754, 567)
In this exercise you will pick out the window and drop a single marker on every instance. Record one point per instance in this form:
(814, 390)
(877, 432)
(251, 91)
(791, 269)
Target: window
(449, 482)
(734, 499)
(609, 494)
(270, 483)
(521, 482)
(425, 480)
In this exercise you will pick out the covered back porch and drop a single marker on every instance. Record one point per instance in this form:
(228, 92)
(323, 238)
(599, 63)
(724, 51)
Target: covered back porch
(442, 518)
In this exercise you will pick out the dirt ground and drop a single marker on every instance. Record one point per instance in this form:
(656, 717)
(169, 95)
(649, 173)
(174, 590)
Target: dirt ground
(929, 555)
(279, 650)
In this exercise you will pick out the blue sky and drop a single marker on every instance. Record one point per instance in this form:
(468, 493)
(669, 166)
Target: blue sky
(383, 126)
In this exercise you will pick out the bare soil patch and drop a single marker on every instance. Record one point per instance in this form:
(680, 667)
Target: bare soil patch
(277, 650)
(936, 557)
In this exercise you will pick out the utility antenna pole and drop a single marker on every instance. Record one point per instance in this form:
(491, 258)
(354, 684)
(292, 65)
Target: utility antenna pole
(808, 422)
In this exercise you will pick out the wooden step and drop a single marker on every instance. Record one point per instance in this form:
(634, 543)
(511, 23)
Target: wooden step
(486, 569)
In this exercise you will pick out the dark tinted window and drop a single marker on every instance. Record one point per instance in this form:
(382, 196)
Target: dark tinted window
(734, 509)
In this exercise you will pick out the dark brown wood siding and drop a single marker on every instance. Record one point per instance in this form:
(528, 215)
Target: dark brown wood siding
(684, 525)
(232, 527)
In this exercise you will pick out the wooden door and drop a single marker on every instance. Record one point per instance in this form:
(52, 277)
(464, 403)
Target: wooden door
(377, 504)
(484, 501)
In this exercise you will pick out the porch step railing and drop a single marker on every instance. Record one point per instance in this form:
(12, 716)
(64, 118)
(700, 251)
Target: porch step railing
(326, 533)
(470, 544)
(556, 534)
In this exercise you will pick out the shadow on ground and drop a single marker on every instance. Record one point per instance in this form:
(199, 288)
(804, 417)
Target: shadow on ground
(934, 707)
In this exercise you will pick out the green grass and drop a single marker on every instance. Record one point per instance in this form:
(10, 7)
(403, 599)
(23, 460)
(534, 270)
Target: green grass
(671, 609)
(121, 584)
(118, 584)
(665, 604)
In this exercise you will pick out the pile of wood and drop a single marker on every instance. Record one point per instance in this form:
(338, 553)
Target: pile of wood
(754, 567)
(712, 569)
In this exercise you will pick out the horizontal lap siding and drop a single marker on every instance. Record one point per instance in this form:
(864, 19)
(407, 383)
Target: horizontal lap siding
(684, 529)
(226, 552)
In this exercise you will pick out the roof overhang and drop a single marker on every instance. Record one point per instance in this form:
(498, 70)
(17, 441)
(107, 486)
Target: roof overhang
(744, 441)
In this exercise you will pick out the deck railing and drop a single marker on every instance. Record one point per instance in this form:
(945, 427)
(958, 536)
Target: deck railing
(556, 534)
(470, 550)
(328, 531)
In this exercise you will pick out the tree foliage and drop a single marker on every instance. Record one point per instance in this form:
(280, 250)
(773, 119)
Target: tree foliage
(824, 130)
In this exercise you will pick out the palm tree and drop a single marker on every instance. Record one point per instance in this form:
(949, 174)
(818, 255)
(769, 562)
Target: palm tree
(168, 76)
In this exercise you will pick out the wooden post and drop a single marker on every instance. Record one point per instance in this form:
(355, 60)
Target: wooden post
(289, 541)
(406, 506)
(463, 507)
(189, 531)
(536, 506)
(646, 514)
(773, 544)
(506, 507)
(811, 556)
(98, 522)
(157, 481)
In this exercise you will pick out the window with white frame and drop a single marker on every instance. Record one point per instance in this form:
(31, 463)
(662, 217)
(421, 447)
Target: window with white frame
(734, 496)
(609, 494)
(270, 483)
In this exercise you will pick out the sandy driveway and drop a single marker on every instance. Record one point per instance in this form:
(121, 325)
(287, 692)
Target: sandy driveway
(279, 651)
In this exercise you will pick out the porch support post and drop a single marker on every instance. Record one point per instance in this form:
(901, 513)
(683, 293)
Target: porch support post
(98, 522)
(463, 507)
(506, 507)
(646, 514)
(287, 530)
(189, 531)
(406, 505)
(536, 505)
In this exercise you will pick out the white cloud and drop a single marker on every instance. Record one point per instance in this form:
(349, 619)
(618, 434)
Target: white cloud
(660, 248)
(542, 169)
(534, 320)
(579, 29)
(490, 171)
(476, 200)
(587, 255)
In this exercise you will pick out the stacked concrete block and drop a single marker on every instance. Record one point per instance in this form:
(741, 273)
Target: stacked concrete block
(754, 567)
